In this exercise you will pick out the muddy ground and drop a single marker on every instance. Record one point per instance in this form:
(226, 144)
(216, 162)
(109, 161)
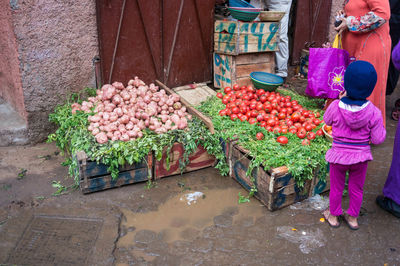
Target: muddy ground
(134, 225)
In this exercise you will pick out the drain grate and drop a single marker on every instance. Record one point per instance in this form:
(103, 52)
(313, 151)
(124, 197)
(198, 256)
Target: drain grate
(55, 240)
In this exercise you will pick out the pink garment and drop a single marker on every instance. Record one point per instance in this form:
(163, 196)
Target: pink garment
(337, 173)
(353, 128)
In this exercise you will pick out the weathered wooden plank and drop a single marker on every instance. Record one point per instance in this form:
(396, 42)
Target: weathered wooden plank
(245, 70)
(194, 94)
(94, 169)
(106, 182)
(233, 37)
(245, 27)
(198, 160)
(255, 58)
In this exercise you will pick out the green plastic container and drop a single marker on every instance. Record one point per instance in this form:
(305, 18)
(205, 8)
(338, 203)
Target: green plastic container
(243, 15)
(266, 81)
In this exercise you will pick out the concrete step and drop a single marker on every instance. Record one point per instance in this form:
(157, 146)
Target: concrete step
(13, 128)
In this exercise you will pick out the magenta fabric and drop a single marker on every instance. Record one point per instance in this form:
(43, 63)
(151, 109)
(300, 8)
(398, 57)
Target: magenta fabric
(364, 126)
(396, 56)
(392, 185)
(326, 68)
(337, 173)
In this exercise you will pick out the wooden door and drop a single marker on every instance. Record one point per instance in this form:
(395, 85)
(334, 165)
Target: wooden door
(311, 24)
(169, 40)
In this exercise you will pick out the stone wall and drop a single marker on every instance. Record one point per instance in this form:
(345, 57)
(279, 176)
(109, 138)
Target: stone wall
(56, 41)
(336, 6)
(10, 77)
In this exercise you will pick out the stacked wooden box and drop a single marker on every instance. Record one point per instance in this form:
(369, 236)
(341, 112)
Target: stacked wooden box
(241, 48)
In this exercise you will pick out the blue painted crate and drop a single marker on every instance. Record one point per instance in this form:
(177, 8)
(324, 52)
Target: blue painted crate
(95, 177)
(276, 188)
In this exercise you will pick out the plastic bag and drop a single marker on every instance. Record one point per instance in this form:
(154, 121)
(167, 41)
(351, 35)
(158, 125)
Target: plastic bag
(326, 69)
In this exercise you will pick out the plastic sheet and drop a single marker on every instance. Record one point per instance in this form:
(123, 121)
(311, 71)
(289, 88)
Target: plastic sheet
(316, 202)
(309, 240)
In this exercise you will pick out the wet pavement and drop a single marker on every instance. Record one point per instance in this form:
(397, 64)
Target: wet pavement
(133, 225)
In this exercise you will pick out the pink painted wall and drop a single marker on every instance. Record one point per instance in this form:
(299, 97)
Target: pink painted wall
(56, 42)
(10, 76)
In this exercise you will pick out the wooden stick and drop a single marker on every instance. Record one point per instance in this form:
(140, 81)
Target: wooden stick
(190, 109)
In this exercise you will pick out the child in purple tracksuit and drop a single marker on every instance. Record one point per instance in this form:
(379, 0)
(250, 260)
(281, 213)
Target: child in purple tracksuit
(356, 123)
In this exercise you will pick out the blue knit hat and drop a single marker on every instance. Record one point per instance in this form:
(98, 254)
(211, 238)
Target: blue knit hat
(359, 82)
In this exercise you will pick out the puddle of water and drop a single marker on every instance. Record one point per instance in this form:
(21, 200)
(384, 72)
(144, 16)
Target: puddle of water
(308, 240)
(175, 218)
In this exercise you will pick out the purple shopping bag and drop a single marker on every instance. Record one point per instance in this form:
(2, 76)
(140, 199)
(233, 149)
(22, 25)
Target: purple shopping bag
(326, 69)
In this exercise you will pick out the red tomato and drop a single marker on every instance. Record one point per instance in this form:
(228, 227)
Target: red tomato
(316, 121)
(225, 101)
(305, 142)
(313, 126)
(288, 104)
(297, 125)
(294, 102)
(277, 129)
(252, 105)
(248, 114)
(301, 133)
(259, 106)
(267, 107)
(320, 132)
(251, 95)
(289, 123)
(222, 112)
(260, 92)
(260, 117)
(302, 119)
(252, 121)
(274, 112)
(293, 130)
(246, 97)
(295, 116)
(234, 116)
(311, 135)
(263, 98)
(243, 88)
(259, 135)
(269, 128)
(235, 87)
(254, 113)
(306, 114)
(284, 131)
(228, 111)
(250, 89)
(227, 89)
(308, 127)
(235, 110)
(219, 95)
(263, 124)
(317, 114)
(295, 107)
(282, 140)
(271, 122)
(244, 118)
(281, 116)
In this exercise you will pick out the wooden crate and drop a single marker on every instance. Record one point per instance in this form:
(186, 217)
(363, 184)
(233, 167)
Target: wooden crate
(95, 177)
(229, 69)
(198, 160)
(236, 37)
(276, 188)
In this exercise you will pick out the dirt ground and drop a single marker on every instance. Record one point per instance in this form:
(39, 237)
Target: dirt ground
(133, 225)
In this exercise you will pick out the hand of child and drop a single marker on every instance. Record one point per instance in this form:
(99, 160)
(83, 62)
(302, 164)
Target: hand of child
(342, 94)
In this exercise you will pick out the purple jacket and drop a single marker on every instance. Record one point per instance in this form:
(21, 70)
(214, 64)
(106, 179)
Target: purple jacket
(353, 128)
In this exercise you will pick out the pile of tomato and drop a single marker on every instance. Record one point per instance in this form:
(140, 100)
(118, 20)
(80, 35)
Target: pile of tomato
(274, 112)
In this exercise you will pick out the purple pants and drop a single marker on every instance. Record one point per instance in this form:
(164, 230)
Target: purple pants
(337, 173)
(392, 185)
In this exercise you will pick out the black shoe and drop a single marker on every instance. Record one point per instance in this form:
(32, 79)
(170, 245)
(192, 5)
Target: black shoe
(388, 205)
